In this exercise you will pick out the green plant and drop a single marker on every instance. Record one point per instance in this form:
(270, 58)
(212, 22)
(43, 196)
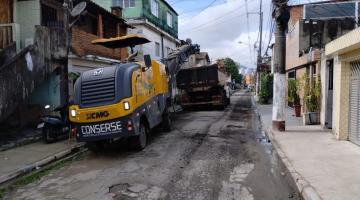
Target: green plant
(232, 68)
(312, 95)
(293, 91)
(266, 90)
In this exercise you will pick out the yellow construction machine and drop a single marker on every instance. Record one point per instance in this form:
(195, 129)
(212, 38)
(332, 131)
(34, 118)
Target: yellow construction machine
(123, 101)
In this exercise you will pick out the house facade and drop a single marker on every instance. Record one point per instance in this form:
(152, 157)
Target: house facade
(19, 21)
(310, 28)
(155, 19)
(343, 57)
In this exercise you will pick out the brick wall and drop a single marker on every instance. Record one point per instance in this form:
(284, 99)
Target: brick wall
(81, 46)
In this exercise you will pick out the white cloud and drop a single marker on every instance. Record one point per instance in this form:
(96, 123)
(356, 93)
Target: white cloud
(219, 28)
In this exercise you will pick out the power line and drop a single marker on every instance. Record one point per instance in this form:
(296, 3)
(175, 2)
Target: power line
(213, 20)
(202, 9)
(248, 28)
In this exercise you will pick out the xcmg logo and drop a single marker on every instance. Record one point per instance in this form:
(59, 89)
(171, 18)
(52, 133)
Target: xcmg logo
(97, 115)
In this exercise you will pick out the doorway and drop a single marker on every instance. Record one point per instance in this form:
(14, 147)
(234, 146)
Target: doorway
(329, 99)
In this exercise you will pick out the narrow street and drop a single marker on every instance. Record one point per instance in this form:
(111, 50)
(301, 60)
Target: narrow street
(209, 155)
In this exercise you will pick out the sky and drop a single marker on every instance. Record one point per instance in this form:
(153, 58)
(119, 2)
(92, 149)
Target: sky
(220, 27)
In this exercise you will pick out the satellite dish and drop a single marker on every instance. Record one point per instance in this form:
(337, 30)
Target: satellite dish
(78, 9)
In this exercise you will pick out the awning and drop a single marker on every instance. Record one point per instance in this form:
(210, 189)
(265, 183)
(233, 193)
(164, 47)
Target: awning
(130, 40)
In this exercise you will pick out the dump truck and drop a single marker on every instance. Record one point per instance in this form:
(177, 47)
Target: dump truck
(202, 84)
(123, 101)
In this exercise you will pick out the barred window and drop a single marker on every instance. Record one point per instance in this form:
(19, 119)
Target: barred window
(155, 8)
(124, 3)
(169, 19)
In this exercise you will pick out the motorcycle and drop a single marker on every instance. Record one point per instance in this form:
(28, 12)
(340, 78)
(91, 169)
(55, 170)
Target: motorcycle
(54, 126)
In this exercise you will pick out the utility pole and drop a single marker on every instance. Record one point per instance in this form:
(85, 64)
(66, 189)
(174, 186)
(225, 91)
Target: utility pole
(282, 16)
(259, 60)
(64, 78)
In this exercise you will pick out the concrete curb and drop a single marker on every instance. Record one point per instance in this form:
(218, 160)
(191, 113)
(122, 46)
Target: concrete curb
(29, 168)
(307, 191)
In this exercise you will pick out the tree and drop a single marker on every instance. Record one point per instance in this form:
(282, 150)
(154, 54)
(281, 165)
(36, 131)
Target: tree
(233, 69)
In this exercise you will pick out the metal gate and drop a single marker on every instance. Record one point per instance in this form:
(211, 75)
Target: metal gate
(354, 104)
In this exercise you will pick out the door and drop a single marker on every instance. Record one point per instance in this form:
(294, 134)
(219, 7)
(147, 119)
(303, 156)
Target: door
(6, 12)
(354, 103)
(329, 99)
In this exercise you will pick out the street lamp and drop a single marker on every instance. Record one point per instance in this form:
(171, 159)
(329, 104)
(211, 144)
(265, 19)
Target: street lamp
(245, 43)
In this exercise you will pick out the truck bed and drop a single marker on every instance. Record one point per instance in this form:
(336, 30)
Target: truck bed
(205, 76)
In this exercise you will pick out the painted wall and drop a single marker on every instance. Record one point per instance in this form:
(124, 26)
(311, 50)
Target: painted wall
(292, 46)
(48, 93)
(27, 16)
(161, 20)
(31, 70)
(134, 13)
(142, 10)
(149, 48)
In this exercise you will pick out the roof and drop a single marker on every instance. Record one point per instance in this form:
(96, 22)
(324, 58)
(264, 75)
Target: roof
(319, 2)
(122, 42)
(171, 8)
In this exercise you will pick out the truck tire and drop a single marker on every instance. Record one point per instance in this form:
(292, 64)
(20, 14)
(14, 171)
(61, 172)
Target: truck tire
(139, 142)
(166, 123)
(223, 102)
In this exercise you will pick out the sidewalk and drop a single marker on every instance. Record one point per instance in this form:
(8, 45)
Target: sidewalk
(20, 160)
(320, 165)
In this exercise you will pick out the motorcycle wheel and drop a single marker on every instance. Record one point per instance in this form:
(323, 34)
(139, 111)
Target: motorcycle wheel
(46, 133)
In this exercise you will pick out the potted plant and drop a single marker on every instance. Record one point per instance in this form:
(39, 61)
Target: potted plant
(312, 101)
(293, 96)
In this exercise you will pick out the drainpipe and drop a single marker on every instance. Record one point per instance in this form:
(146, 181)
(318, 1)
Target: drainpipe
(162, 47)
(357, 13)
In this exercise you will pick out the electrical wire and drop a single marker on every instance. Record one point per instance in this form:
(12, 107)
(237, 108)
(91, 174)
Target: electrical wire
(209, 22)
(248, 29)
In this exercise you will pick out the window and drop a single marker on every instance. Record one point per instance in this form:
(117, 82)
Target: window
(154, 8)
(330, 10)
(157, 49)
(292, 74)
(169, 19)
(124, 3)
(49, 16)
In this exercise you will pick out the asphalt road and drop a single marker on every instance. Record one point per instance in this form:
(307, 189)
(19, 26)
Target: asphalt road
(209, 155)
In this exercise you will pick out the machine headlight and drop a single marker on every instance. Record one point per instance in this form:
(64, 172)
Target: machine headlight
(126, 105)
(73, 113)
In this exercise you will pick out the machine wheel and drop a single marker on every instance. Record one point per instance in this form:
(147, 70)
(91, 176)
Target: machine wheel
(224, 102)
(139, 142)
(166, 123)
(46, 135)
(95, 146)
